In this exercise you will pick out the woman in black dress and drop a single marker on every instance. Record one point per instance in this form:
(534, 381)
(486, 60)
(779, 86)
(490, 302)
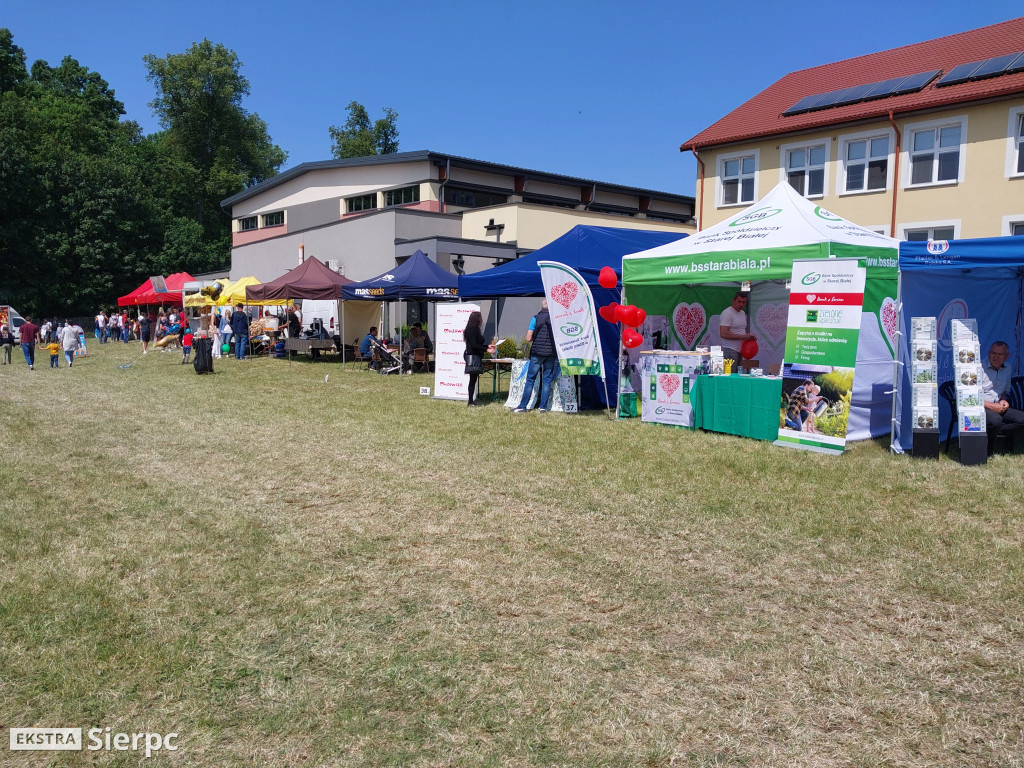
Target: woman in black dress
(475, 345)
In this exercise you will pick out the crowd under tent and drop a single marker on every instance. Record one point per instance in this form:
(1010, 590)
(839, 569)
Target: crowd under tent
(980, 278)
(145, 294)
(587, 250)
(684, 286)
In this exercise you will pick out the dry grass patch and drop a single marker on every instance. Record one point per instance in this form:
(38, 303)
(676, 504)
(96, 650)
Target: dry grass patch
(293, 571)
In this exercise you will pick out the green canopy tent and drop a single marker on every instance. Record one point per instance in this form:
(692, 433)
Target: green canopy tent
(685, 285)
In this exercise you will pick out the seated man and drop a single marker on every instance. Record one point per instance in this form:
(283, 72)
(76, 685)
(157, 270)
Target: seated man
(364, 347)
(1000, 418)
(427, 343)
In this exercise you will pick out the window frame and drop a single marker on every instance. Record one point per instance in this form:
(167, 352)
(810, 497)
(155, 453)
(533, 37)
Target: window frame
(904, 229)
(1009, 222)
(1015, 143)
(890, 161)
(255, 220)
(906, 161)
(264, 224)
(784, 171)
(720, 178)
(389, 193)
(367, 196)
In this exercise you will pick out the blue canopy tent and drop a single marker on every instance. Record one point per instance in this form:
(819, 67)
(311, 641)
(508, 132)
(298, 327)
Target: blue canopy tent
(981, 278)
(587, 250)
(415, 278)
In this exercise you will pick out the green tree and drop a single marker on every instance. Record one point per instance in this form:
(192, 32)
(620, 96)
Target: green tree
(361, 138)
(199, 103)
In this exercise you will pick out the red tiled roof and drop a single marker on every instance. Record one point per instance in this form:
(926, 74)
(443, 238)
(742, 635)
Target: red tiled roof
(762, 115)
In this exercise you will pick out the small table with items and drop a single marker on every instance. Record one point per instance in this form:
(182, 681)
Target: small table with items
(666, 381)
(498, 367)
(291, 346)
(738, 405)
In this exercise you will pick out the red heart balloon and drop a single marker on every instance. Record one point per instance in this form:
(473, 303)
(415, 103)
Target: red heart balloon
(608, 313)
(607, 278)
(620, 313)
(631, 338)
(629, 316)
(749, 349)
(641, 315)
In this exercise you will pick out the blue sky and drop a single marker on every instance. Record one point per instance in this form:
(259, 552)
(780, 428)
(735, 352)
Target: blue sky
(599, 90)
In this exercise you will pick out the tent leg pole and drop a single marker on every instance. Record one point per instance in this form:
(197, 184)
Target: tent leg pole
(896, 358)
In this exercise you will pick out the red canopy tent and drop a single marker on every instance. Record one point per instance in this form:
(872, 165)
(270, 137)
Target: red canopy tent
(312, 279)
(145, 294)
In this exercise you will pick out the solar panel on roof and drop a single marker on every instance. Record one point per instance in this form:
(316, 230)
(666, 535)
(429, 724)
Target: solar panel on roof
(915, 82)
(1017, 65)
(994, 66)
(885, 87)
(857, 93)
(961, 73)
(803, 105)
(831, 98)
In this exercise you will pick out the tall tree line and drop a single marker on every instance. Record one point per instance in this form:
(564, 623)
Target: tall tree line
(89, 206)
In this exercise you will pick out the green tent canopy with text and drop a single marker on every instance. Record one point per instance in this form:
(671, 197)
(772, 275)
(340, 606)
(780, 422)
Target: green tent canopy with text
(691, 281)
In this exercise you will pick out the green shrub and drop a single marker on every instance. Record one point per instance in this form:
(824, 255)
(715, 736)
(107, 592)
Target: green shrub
(507, 348)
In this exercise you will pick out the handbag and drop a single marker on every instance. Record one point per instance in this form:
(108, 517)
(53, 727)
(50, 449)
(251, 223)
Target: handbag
(474, 363)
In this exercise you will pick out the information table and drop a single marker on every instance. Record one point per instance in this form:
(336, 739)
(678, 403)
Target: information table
(738, 405)
(666, 379)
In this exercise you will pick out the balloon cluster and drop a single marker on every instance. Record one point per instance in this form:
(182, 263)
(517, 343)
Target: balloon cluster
(627, 314)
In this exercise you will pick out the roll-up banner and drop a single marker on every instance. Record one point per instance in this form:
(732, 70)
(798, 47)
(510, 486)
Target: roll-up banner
(825, 301)
(450, 380)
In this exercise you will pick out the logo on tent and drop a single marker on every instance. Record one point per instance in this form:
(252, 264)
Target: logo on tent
(754, 216)
(935, 247)
(388, 278)
(827, 215)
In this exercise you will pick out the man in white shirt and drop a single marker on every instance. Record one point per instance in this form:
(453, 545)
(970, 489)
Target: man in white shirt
(1000, 418)
(101, 327)
(732, 327)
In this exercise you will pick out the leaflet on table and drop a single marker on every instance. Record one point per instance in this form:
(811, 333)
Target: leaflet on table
(924, 373)
(926, 418)
(924, 351)
(972, 419)
(922, 328)
(963, 330)
(924, 395)
(717, 360)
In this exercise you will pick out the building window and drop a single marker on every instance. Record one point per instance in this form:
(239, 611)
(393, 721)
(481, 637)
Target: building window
(866, 164)
(402, 196)
(1017, 228)
(1019, 141)
(1015, 143)
(937, 152)
(248, 223)
(930, 233)
(361, 203)
(275, 219)
(805, 169)
(466, 198)
(738, 174)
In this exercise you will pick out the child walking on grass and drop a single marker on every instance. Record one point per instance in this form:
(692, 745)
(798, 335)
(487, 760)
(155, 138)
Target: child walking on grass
(186, 347)
(54, 349)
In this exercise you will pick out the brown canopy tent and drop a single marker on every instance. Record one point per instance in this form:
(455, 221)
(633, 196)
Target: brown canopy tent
(310, 280)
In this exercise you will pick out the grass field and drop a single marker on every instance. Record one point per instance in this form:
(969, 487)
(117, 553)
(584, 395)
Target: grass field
(288, 571)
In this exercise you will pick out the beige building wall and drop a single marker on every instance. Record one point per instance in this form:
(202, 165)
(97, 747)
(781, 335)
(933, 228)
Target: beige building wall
(987, 195)
(534, 226)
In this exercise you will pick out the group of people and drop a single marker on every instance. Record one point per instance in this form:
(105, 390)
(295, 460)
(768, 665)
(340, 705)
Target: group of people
(417, 339)
(62, 339)
(543, 365)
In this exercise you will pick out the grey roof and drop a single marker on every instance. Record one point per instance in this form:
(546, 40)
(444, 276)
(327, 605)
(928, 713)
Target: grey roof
(440, 158)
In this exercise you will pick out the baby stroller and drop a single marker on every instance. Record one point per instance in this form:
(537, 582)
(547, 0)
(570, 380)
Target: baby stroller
(388, 362)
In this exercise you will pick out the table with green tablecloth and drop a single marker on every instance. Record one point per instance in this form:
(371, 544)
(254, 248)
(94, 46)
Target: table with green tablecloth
(739, 405)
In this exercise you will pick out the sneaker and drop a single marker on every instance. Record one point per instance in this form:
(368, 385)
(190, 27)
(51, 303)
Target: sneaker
(545, 410)
(519, 410)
